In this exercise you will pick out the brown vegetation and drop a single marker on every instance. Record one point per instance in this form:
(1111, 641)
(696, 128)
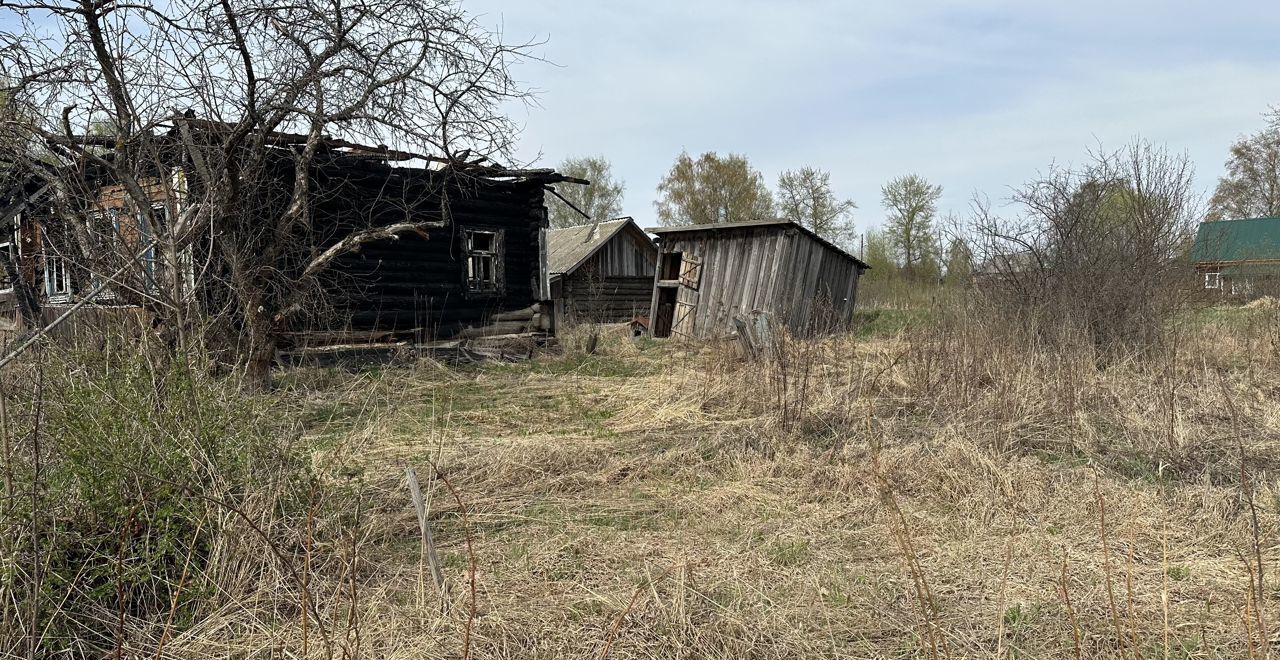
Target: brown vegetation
(950, 490)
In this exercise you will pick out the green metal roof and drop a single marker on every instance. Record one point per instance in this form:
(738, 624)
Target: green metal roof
(1252, 239)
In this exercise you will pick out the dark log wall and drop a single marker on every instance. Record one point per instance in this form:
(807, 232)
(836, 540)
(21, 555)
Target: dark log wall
(416, 283)
(419, 284)
(609, 299)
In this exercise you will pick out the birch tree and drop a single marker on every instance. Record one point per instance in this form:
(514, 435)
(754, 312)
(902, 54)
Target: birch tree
(806, 198)
(713, 189)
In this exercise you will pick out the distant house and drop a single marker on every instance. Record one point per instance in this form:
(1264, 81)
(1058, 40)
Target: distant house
(708, 274)
(1238, 258)
(1001, 269)
(601, 272)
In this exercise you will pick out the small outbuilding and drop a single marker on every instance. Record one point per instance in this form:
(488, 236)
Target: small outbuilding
(601, 272)
(708, 274)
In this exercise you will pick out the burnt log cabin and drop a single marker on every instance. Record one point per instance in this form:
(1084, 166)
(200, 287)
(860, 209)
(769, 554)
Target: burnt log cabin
(479, 269)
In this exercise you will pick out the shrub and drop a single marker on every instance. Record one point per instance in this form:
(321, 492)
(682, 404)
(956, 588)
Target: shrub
(122, 478)
(1096, 251)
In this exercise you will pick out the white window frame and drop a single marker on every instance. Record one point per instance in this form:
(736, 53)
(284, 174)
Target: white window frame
(476, 283)
(57, 278)
(107, 294)
(13, 246)
(1213, 281)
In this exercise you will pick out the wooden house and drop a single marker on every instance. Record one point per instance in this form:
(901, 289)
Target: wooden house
(708, 274)
(601, 272)
(480, 269)
(1238, 258)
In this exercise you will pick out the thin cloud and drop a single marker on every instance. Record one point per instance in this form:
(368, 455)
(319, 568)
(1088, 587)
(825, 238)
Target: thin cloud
(975, 95)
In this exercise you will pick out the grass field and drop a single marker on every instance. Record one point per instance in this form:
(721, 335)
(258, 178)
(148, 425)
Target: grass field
(884, 494)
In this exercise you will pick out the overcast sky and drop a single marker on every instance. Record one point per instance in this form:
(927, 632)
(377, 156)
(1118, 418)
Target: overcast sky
(975, 95)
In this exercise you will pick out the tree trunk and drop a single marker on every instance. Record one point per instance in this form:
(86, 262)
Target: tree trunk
(260, 352)
(258, 362)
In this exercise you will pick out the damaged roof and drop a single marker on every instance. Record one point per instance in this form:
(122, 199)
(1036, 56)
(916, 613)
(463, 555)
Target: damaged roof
(568, 248)
(775, 223)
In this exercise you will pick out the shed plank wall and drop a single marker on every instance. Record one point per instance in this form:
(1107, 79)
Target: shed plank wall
(624, 256)
(799, 280)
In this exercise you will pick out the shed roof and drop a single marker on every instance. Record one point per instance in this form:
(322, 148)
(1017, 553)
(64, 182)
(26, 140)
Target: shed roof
(1250, 239)
(780, 224)
(568, 248)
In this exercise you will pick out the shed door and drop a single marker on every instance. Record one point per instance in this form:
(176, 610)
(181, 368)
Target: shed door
(684, 317)
(691, 272)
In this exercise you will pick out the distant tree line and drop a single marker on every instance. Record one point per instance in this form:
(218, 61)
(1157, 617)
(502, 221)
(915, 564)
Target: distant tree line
(1251, 186)
(710, 189)
(910, 245)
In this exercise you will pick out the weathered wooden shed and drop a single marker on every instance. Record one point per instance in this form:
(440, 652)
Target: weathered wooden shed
(707, 274)
(601, 272)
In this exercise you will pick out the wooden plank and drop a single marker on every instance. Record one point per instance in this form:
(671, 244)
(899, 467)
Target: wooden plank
(712, 276)
(747, 302)
(767, 255)
(780, 259)
(732, 281)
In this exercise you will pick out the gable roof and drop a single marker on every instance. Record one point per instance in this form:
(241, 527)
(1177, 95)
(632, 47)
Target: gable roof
(778, 223)
(570, 247)
(1250, 239)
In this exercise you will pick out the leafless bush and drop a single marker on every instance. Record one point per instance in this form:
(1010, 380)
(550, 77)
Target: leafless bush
(1095, 251)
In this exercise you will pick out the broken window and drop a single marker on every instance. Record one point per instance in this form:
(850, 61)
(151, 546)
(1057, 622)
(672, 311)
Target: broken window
(161, 214)
(57, 278)
(670, 266)
(484, 260)
(1213, 280)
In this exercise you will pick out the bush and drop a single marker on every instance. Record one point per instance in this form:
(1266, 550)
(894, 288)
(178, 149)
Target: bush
(122, 479)
(1096, 251)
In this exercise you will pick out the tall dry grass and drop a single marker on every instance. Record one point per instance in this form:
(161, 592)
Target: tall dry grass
(955, 489)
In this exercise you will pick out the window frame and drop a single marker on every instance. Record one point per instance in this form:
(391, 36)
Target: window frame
(1216, 279)
(56, 271)
(494, 284)
(158, 209)
(107, 294)
(12, 244)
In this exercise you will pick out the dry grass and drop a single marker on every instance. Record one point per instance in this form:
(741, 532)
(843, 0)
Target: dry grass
(931, 494)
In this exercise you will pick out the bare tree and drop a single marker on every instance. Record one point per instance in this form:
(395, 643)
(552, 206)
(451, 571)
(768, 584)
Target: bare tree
(912, 203)
(1095, 251)
(805, 197)
(601, 200)
(1251, 187)
(712, 189)
(200, 125)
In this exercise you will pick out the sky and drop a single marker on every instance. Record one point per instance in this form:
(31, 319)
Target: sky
(974, 95)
